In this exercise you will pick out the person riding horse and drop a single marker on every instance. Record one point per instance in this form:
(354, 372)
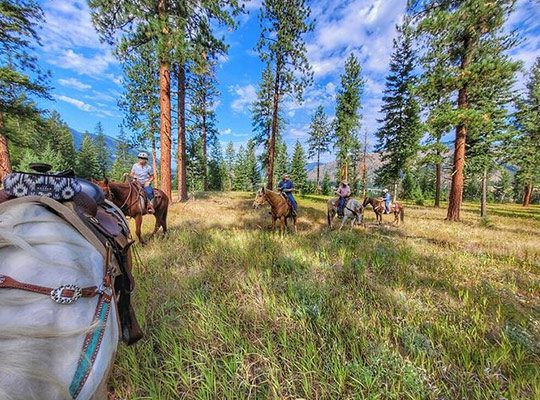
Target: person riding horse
(387, 201)
(286, 186)
(344, 192)
(142, 173)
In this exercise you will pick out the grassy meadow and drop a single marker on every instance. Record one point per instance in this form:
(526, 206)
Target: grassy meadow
(427, 310)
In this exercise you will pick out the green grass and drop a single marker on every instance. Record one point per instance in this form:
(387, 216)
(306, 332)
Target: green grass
(429, 310)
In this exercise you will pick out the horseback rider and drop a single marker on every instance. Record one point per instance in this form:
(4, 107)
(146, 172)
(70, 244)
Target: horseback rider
(387, 201)
(285, 186)
(344, 192)
(142, 173)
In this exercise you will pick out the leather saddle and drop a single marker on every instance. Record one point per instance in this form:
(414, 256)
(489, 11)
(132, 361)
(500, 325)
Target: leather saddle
(109, 226)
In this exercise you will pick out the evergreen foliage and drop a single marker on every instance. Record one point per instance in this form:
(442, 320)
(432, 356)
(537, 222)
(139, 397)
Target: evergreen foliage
(347, 121)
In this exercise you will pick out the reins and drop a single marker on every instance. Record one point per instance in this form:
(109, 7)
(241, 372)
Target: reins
(122, 207)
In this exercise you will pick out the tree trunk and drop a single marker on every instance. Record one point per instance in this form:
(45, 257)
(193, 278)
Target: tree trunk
(154, 158)
(483, 203)
(437, 185)
(527, 195)
(318, 172)
(165, 109)
(165, 126)
(364, 166)
(456, 191)
(204, 157)
(273, 134)
(181, 154)
(395, 191)
(5, 162)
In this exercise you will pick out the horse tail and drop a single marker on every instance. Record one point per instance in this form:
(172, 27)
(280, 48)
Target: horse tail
(402, 214)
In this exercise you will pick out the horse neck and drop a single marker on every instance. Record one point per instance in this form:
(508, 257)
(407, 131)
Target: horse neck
(273, 198)
(120, 191)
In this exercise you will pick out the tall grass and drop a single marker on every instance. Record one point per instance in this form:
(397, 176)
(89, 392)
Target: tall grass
(429, 310)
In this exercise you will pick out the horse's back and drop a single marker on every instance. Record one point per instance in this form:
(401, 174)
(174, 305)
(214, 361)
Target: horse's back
(40, 340)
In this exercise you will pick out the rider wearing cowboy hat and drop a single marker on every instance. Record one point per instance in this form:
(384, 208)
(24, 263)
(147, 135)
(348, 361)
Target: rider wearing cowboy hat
(344, 192)
(387, 201)
(142, 173)
(286, 186)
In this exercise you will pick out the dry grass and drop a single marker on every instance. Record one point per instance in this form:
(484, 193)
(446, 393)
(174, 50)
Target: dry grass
(427, 310)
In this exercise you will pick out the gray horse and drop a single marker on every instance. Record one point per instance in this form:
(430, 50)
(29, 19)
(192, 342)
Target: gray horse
(353, 211)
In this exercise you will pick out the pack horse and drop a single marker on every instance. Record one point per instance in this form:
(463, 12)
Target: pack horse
(65, 284)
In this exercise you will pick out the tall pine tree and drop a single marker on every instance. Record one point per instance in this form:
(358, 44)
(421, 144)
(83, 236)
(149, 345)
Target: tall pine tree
(20, 75)
(526, 145)
(466, 52)
(298, 168)
(400, 133)
(347, 121)
(320, 138)
(281, 45)
(87, 163)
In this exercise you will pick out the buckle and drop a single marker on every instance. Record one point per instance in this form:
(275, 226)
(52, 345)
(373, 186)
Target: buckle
(58, 294)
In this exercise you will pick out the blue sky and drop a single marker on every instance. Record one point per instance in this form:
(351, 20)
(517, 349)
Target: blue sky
(87, 79)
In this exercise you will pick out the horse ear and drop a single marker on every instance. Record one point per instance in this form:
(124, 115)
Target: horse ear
(262, 189)
(106, 181)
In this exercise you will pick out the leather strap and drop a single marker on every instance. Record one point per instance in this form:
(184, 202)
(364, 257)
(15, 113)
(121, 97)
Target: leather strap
(66, 291)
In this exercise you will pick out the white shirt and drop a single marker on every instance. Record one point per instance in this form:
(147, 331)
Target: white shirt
(141, 172)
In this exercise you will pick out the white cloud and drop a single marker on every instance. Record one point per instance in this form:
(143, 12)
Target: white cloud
(74, 83)
(81, 105)
(246, 95)
(94, 66)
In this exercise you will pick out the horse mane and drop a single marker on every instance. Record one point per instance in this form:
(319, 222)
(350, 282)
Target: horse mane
(39, 247)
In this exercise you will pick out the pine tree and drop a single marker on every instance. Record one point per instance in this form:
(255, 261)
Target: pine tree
(202, 112)
(504, 188)
(298, 168)
(252, 170)
(123, 159)
(241, 178)
(282, 47)
(55, 132)
(230, 157)
(217, 170)
(466, 56)
(325, 186)
(87, 165)
(281, 161)
(526, 145)
(46, 155)
(140, 100)
(102, 152)
(20, 75)
(347, 120)
(176, 32)
(400, 133)
(320, 138)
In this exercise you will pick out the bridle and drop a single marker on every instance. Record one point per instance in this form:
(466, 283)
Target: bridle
(69, 294)
(123, 207)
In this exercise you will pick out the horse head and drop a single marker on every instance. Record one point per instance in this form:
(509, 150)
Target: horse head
(366, 202)
(104, 185)
(260, 198)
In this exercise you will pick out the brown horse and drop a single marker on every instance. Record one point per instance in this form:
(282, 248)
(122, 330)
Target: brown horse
(281, 209)
(131, 199)
(378, 207)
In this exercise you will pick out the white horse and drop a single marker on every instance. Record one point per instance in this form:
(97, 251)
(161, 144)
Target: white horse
(353, 211)
(46, 348)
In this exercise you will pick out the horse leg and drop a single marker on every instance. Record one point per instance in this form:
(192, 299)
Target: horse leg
(343, 222)
(138, 224)
(273, 223)
(286, 224)
(294, 224)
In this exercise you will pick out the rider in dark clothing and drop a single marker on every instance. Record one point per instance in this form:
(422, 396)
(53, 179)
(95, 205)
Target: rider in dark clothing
(286, 186)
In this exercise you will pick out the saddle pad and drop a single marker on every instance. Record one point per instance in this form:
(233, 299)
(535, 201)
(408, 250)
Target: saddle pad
(60, 188)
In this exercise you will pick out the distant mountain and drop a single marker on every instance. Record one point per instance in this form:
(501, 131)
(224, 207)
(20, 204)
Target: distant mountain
(373, 161)
(110, 142)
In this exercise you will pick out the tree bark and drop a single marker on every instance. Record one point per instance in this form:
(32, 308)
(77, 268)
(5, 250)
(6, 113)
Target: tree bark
(437, 185)
(204, 153)
(5, 161)
(318, 173)
(483, 202)
(181, 153)
(456, 190)
(527, 195)
(165, 108)
(395, 191)
(165, 126)
(273, 134)
(154, 157)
